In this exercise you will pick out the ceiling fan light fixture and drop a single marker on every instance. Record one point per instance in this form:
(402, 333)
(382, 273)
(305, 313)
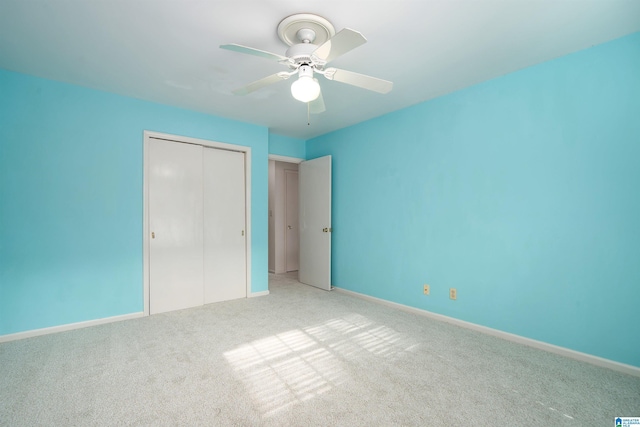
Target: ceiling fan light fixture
(313, 43)
(306, 88)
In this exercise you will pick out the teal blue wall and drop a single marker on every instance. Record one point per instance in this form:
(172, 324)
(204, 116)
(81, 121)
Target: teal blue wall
(521, 192)
(71, 181)
(287, 146)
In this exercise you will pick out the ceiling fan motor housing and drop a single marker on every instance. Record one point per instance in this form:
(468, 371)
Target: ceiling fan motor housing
(301, 54)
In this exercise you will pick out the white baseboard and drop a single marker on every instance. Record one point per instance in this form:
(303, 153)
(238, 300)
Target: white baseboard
(572, 354)
(67, 327)
(258, 294)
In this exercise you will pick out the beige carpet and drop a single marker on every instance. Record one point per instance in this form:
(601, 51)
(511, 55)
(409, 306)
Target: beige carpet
(299, 357)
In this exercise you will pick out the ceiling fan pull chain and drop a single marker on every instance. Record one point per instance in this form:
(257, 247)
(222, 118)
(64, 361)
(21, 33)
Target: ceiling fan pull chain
(308, 114)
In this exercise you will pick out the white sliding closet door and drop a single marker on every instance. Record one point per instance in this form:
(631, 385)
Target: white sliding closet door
(225, 265)
(176, 226)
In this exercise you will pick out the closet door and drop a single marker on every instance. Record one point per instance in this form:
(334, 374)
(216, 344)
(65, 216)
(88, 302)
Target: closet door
(176, 226)
(225, 262)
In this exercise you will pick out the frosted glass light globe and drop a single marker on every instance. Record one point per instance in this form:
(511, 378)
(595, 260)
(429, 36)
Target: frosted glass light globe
(305, 89)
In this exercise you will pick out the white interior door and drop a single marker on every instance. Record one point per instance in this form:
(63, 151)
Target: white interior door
(175, 225)
(225, 262)
(314, 178)
(292, 239)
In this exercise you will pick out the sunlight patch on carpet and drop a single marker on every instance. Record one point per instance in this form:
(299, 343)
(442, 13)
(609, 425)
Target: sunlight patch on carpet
(285, 369)
(294, 366)
(353, 334)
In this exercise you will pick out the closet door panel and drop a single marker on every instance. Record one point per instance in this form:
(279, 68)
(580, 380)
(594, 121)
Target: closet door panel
(225, 268)
(176, 226)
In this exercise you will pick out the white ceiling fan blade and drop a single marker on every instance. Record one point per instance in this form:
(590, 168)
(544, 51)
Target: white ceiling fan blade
(256, 52)
(259, 84)
(338, 45)
(366, 82)
(317, 105)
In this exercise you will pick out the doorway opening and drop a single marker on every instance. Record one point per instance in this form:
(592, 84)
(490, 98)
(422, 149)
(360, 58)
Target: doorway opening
(284, 252)
(304, 250)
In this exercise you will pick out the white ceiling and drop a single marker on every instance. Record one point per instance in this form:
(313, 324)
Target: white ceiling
(167, 51)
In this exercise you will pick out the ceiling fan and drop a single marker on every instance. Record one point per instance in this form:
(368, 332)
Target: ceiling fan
(313, 44)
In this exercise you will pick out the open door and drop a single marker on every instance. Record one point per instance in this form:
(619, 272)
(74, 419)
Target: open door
(314, 182)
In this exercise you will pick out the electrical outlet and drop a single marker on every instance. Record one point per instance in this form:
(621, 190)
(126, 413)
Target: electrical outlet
(426, 289)
(453, 294)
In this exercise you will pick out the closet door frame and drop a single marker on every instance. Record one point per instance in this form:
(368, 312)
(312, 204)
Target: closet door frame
(148, 135)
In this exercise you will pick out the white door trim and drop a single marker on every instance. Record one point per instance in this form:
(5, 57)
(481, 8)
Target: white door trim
(286, 159)
(148, 135)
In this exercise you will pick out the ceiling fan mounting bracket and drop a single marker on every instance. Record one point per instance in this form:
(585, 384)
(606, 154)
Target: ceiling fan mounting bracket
(306, 35)
(299, 28)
